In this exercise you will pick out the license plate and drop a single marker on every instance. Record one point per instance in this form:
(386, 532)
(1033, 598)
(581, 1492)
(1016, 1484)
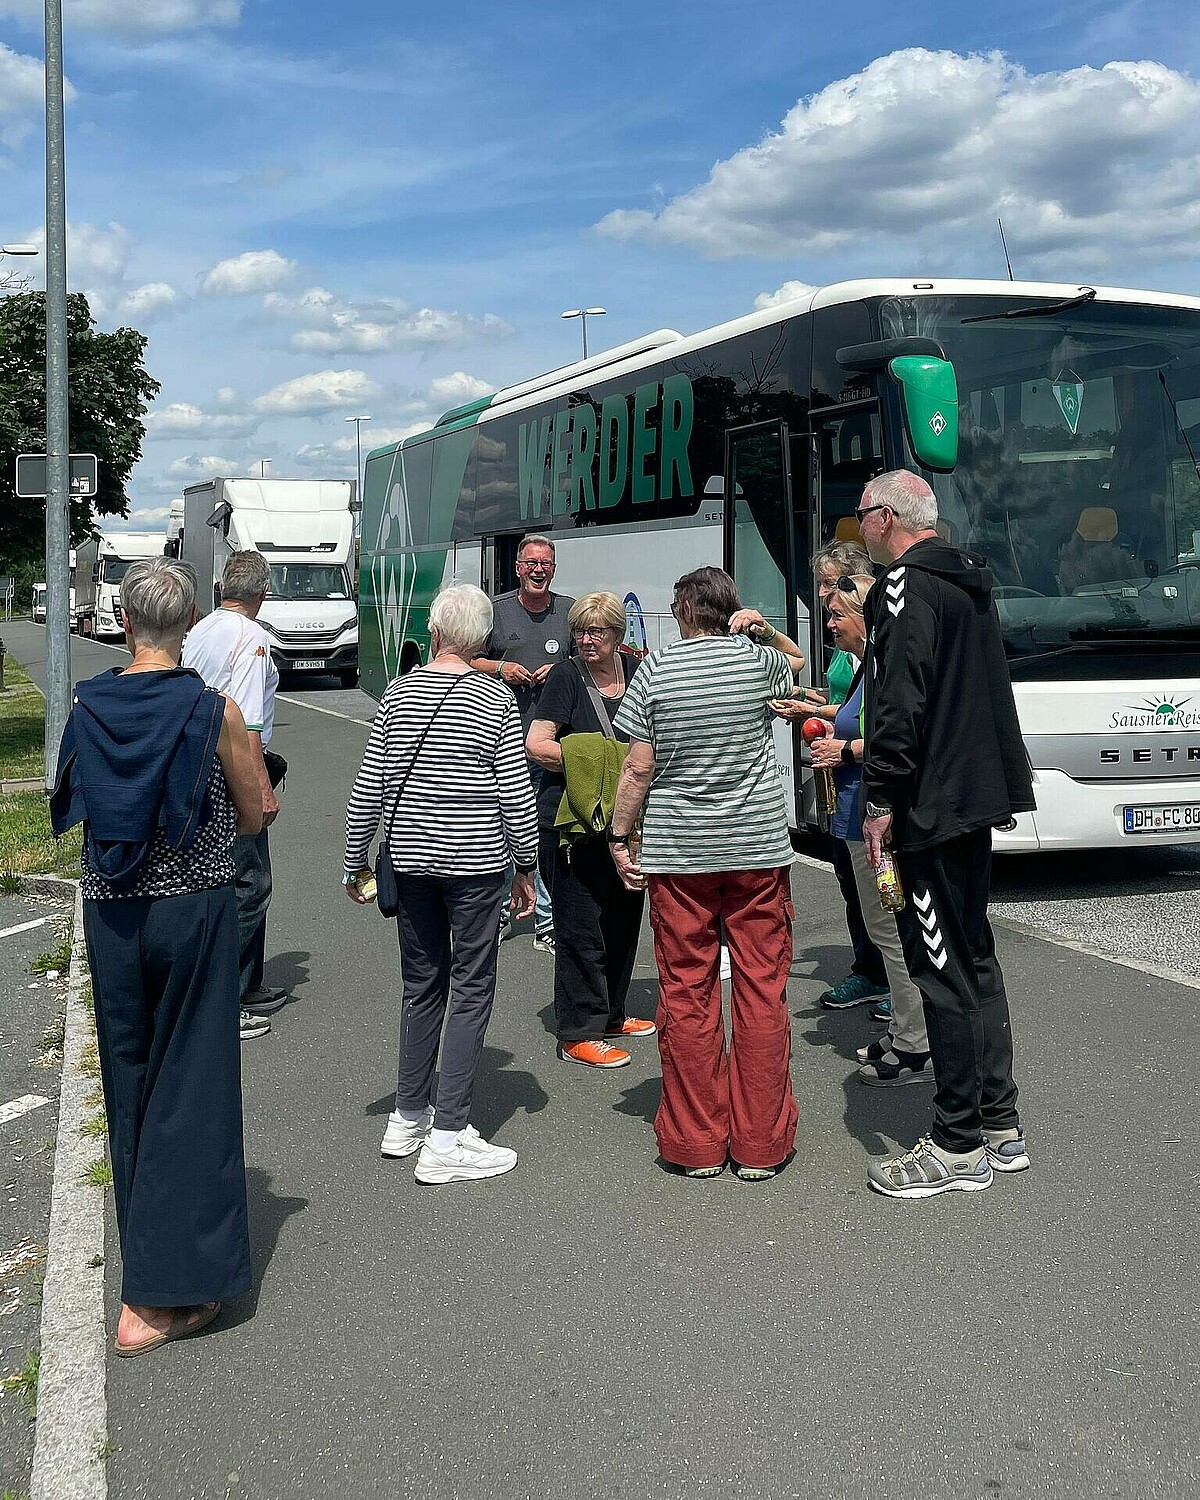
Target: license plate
(1163, 817)
(309, 664)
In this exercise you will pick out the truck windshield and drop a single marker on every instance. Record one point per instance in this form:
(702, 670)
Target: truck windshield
(309, 581)
(113, 569)
(1074, 477)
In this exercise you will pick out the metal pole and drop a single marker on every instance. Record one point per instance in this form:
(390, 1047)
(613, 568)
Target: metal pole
(58, 438)
(358, 454)
(583, 320)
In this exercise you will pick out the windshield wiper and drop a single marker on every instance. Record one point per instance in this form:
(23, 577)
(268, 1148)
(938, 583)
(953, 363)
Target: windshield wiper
(1097, 642)
(1086, 294)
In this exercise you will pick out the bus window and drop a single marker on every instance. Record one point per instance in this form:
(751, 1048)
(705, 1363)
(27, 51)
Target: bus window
(850, 452)
(758, 520)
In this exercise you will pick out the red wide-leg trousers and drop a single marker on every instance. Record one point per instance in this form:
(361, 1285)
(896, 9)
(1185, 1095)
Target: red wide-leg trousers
(716, 1104)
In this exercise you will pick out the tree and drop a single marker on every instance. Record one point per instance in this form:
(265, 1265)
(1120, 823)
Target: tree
(109, 392)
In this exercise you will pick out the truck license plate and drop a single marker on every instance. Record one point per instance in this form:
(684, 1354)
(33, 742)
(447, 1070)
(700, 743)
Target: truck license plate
(309, 664)
(1163, 817)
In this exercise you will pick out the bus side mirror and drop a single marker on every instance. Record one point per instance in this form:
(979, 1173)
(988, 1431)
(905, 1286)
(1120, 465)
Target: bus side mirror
(929, 397)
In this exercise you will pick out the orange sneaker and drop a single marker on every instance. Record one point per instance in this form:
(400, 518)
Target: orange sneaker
(593, 1054)
(632, 1026)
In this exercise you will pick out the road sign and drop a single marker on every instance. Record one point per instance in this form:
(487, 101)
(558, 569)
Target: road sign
(31, 476)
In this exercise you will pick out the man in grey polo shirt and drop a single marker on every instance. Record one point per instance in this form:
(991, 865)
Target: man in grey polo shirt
(529, 636)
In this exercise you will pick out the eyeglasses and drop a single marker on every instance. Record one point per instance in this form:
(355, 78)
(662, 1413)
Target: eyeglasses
(867, 509)
(591, 632)
(536, 567)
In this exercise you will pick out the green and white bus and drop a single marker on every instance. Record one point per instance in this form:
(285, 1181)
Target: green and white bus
(1059, 426)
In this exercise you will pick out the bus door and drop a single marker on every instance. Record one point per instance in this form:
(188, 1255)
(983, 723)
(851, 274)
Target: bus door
(498, 559)
(759, 546)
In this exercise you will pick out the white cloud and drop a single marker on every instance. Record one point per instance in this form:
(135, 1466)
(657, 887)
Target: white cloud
(790, 291)
(98, 258)
(322, 391)
(22, 94)
(329, 325)
(924, 149)
(183, 419)
(241, 275)
(145, 519)
(131, 17)
(147, 302)
(457, 389)
(194, 466)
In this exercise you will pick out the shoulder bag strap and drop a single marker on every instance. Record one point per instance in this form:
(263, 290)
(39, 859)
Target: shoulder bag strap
(597, 700)
(416, 753)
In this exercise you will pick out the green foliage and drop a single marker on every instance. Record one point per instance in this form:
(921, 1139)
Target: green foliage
(27, 842)
(25, 1381)
(58, 959)
(98, 1174)
(109, 391)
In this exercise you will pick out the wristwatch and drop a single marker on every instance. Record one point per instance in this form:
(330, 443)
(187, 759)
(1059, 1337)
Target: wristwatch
(617, 838)
(848, 754)
(877, 810)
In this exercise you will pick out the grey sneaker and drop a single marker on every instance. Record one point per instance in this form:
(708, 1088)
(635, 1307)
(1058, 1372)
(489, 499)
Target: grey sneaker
(402, 1137)
(895, 1069)
(252, 1026)
(927, 1170)
(1006, 1149)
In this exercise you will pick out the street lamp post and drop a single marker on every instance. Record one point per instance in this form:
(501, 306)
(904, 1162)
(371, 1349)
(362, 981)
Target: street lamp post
(58, 435)
(358, 421)
(583, 314)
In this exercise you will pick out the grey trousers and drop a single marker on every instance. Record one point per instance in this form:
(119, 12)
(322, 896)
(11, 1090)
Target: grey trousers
(907, 1026)
(448, 928)
(252, 887)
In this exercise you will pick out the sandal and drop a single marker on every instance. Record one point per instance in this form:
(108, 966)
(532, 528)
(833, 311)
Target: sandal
(180, 1328)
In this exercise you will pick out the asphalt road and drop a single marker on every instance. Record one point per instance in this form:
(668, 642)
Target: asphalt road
(591, 1325)
(31, 1008)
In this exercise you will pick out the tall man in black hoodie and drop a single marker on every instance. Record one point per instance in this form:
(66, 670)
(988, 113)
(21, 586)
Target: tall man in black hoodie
(945, 764)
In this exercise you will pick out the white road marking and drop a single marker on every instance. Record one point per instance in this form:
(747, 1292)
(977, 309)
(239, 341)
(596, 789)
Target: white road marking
(21, 1106)
(24, 927)
(332, 712)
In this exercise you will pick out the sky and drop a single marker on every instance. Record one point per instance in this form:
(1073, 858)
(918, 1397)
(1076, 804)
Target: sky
(382, 209)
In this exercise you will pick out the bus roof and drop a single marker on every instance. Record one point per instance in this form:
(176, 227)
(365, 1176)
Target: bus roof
(641, 353)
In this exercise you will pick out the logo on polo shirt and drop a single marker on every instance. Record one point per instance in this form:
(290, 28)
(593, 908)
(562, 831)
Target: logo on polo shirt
(551, 647)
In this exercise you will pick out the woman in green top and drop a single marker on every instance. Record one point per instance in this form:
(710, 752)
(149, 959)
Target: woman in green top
(835, 567)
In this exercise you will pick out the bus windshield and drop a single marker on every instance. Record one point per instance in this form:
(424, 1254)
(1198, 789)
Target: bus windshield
(309, 581)
(1077, 475)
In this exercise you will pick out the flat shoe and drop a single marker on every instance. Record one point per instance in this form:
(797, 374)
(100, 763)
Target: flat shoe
(179, 1328)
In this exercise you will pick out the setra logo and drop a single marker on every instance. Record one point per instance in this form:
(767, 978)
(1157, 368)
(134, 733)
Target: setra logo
(1164, 712)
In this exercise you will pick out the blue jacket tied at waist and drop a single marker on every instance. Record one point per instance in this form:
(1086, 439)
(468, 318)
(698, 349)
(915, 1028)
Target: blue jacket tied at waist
(135, 758)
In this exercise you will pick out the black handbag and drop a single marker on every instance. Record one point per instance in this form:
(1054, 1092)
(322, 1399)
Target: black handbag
(276, 767)
(387, 887)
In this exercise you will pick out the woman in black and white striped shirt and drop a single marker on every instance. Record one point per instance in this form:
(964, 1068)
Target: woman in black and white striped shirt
(445, 769)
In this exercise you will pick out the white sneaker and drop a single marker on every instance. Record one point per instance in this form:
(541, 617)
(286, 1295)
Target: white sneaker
(726, 970)
(402, 1137)
(470, 1158)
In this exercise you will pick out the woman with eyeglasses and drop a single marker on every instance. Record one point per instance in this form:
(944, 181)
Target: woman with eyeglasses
(902, 1055)
(596, 919)
(839, 568)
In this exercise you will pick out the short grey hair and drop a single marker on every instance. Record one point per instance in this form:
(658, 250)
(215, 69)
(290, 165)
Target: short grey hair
(907, 496)
(846, 559)
(528, 541)
(246, 577)
(159, 596)
(462, 616)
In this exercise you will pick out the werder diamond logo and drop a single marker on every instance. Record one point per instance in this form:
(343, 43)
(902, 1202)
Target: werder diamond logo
(938, 423)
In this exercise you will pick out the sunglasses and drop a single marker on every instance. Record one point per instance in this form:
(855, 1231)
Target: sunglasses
(866, 511)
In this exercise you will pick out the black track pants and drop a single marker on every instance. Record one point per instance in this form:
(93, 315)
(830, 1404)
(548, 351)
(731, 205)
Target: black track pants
(951, 955)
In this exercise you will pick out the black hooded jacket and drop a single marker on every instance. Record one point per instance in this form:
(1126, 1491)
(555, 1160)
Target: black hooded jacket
(944, 748)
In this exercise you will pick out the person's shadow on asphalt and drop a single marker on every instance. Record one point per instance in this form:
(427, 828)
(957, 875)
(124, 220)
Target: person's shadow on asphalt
(500, 1092)
(268, 1213)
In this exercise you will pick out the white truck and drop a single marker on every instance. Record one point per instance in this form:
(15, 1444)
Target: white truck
(100, 564)
(304, 528)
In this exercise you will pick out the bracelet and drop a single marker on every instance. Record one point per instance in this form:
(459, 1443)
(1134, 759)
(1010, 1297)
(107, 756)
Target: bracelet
(767, 639)
(618, 838)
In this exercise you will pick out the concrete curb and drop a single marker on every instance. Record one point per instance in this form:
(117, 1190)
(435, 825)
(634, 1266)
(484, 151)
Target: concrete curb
(72, 1422)
(48, 885)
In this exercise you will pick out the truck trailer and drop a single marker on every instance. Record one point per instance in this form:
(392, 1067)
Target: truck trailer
(304, 528)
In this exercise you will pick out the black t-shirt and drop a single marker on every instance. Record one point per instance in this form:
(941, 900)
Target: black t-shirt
(564, 700)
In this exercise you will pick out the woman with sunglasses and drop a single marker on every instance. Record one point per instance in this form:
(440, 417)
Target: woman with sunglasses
(596, 919)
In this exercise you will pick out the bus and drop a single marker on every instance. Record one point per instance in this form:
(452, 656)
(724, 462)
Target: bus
(1059, 426)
